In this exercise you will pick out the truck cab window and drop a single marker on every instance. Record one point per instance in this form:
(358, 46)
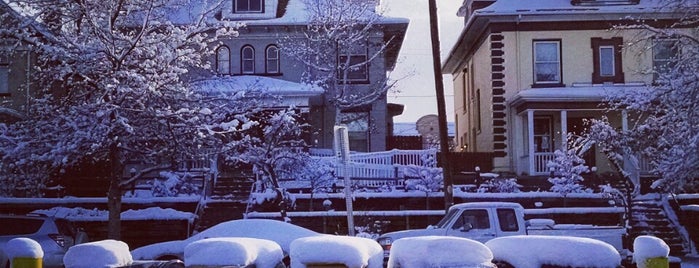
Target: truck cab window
(507, 219)
(477, 218)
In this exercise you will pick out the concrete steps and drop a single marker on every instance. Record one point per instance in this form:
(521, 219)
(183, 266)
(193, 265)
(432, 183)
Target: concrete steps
(649, 218)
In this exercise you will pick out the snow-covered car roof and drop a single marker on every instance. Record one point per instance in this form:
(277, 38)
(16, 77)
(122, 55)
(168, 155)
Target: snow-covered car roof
(280, 232)
(565, 251)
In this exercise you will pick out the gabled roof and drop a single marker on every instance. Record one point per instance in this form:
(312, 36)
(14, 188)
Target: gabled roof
(543, 14)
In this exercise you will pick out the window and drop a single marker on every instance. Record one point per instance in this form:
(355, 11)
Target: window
(477, 218)
(543, 135)
(358, 129)
(248, 6)
(547, 62)
(665, 53)
(606, 55)
(507, 220)
(223, 60)
(4, 72)
(353, 68)
(272, 59)
(606, 60)
(247, 58)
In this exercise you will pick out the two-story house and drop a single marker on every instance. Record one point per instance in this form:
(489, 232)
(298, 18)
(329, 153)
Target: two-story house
(257, 58)
(528, 73)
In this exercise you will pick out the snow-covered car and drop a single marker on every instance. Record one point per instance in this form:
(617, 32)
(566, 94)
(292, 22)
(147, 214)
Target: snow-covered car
(559, 251)
(280, 232)
(439, 251)
(336, 251)
(55, 236)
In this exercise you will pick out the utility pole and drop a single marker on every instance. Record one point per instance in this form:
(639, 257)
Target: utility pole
(441, 107)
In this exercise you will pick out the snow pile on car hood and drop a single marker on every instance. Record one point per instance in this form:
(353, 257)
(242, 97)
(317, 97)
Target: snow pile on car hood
(104, 253)
(529, 251)
(234, 251)
(330, 249)
(439, 251)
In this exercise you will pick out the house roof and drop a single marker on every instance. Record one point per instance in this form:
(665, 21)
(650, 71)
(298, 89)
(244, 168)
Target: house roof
(583, 96)
(229, 84)
(539, 15)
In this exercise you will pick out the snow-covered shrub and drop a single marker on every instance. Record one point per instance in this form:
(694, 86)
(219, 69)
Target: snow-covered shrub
(496, 185)
(426, 179)
(174, 185)
(567, 168)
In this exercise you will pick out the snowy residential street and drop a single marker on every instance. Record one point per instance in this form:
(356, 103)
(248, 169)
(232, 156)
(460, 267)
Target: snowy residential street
(349, 133)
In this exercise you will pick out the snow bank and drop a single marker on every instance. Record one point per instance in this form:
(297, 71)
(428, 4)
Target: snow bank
(533, 251)
(439, 251)
(23, 247)
(330, 249)
(236, 251)
(105, 253)
(646, 247)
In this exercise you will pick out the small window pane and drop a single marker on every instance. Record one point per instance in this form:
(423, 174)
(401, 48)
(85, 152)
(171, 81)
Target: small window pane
(606, 61)
(4, 80)
(223, 60)
(248, 60)
(547, 52)
(272, 59)
(507, 220)
(244, 6)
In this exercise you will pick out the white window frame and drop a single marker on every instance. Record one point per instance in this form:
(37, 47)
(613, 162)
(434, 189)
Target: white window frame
(272, 60)
(223, 60)
(249, 59)
(557, 62)
(236, 8)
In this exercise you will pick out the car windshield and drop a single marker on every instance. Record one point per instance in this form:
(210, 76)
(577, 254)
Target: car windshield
(443, 222)
(19, 226)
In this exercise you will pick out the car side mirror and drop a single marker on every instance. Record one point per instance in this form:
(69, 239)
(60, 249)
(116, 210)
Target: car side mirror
(467, 227)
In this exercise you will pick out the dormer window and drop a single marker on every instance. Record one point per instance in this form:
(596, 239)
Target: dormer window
(248, 6)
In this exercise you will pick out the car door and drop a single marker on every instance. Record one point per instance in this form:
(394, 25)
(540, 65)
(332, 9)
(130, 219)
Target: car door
(473, 224)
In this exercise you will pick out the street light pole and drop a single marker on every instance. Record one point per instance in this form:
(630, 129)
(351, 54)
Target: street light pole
(441, 107)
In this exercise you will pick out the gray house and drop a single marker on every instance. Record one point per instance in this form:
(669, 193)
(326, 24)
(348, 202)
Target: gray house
(268, 54)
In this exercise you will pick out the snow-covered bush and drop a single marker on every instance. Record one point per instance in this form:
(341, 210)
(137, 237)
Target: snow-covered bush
(567, 168)
(426, 179)
(496, 185)
(174, 184)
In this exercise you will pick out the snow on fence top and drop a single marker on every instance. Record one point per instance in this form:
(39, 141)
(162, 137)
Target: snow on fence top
(329, 249)
(235, 251)
(533, 251)
(439, 251)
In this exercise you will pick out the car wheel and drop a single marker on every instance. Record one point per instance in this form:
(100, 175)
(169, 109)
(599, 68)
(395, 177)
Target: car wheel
(502, 264)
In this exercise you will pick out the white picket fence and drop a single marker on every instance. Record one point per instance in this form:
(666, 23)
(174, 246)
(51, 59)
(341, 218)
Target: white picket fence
(387, 168)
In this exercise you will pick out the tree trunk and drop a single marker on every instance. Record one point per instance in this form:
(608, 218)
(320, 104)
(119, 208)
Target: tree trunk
(114, 193)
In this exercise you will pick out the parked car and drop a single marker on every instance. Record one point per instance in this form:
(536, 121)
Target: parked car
(278, 231)
(54, 235)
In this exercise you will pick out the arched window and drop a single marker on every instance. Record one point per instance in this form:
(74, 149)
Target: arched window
(247, 58)
(223, 60)
(272, 59)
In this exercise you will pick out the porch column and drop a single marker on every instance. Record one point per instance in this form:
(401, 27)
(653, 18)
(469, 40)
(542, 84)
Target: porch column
(564, 130)
(530, 140)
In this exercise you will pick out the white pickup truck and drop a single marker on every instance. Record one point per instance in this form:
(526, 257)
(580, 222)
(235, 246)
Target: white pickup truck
(483, 221)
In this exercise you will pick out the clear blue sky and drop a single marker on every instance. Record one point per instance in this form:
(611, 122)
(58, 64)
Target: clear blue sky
(417, 92)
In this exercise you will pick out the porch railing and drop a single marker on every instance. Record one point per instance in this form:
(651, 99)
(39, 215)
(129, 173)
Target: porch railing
(541, 161)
